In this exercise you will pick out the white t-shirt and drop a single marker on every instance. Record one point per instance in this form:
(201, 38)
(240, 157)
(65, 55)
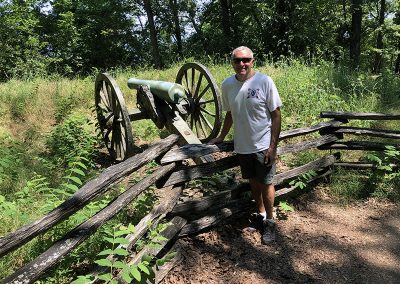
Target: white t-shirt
(251, 103)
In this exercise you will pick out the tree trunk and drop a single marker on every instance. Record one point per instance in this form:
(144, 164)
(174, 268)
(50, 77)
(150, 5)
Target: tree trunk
(198, 28)
(355, 44)
(177, 30)
(379, 40)
(261, 29)
(397, 62)
(226, 25)
(155, 51)
(232, 12)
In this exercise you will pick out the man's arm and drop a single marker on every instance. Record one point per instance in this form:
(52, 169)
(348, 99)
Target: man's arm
(225, 129)
(270, 155)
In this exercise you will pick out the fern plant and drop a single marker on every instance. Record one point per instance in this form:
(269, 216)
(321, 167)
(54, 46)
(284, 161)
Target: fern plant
(116, 239)
(115, 257)
(385, 181)
(302, 180)
(74, 137)
(386, 164)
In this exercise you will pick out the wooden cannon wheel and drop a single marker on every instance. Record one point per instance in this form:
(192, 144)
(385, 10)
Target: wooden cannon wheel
(204, 113)
(113, 118)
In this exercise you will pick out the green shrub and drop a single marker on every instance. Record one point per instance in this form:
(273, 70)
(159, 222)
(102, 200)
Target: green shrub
(74, 137)
(12, 167)
(386, 179)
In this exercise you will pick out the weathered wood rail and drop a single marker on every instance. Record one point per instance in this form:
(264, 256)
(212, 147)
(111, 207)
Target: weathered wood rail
(191, 216)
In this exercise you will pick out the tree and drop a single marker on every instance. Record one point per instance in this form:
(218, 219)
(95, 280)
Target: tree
(177, 29)
(193, 19)
(21, 45)
(89, 34)
(283, 20)
(379, 39)
(155, 51)
(226, 25)
(355, 38)
(397, 62)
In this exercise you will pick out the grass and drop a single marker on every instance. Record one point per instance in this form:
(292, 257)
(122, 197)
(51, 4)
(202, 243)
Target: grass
(31, 111)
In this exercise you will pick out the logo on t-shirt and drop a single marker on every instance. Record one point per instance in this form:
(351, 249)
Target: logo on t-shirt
(253, 93)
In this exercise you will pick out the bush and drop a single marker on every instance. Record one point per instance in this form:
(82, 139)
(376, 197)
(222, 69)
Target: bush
(12, 167)
(75, 137)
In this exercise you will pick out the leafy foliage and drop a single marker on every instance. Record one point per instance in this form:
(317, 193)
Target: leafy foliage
(113, 258)
(387, 179)
(11, 164)
(78, 37)
(302, 180)
(40, 172)
(75, 137)
(21, 43)
(285, 207)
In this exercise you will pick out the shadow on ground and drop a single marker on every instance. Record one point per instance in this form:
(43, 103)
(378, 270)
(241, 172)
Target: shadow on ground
(321, 242)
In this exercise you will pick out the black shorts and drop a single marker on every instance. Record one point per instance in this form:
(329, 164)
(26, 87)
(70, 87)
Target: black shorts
(252, 166)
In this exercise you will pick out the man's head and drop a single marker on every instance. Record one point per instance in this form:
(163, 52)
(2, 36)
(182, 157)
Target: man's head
(242, 62)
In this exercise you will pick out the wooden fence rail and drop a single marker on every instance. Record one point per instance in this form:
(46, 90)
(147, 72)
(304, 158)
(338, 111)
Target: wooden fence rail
(88, 192)
(359, 145)
(191, 216)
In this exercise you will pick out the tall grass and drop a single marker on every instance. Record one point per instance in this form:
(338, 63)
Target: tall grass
(29, 110)
(40, 119)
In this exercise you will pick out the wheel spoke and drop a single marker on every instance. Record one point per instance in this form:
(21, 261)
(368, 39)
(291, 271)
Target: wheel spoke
(106, 131)
(123, 133)
(117, 132)
(113, 117)
(191, 121)
(198, 86)
(120, 150)
(206, 121)
(103, 108)
(203, 92)
(186, 79)
(201, 102)
(107, 93)
(112, 142)
(111, 97)
(202, 126)
(107, 116)
(192, 82)
(207, 111)
(104, 99)
(123, 142)
(196, 123)
(116, 108)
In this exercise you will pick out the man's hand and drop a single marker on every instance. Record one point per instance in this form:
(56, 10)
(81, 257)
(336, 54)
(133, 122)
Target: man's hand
(225, 129)
(216, 140)
(270, 156)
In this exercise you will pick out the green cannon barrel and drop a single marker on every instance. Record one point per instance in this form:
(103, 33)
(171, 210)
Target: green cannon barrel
(170, 92)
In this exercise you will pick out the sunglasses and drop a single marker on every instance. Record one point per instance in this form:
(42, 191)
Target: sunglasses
(237, 60)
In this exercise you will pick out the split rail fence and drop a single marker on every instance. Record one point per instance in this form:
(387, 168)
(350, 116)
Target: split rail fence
(192, 216)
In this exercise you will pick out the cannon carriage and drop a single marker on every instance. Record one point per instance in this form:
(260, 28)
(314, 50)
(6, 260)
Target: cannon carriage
(190, 107)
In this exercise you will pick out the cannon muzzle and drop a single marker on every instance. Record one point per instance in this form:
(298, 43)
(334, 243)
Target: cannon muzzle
(170, 92)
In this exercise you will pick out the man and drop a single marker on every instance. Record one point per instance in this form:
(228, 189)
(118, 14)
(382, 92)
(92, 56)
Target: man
(252, 105)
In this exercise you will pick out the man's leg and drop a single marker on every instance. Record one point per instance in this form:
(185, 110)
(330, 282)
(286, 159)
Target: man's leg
(268, 195)
(256, 191)
(257, 219)
(264, 195)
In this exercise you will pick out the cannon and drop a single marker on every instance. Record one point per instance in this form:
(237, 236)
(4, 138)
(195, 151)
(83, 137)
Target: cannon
(190, 107)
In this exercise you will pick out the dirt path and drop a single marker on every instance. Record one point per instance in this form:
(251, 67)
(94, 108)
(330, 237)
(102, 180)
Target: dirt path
(321, 242)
